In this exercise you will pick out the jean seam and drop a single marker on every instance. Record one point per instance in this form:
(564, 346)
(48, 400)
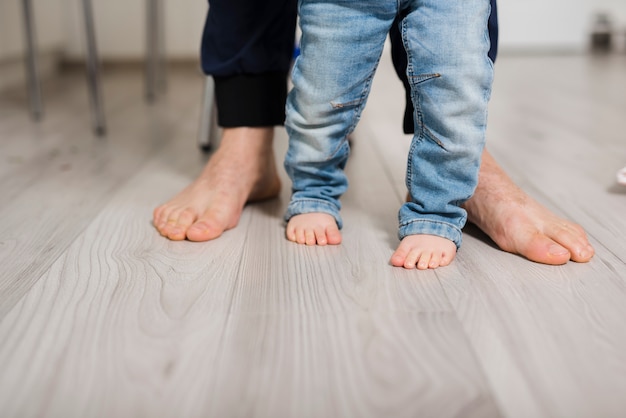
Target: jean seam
(331, 209)
(317, 201)
(432, 221)
(451, 227)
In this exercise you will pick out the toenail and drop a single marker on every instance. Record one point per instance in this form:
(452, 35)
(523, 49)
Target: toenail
(586, 253)
(558, 250)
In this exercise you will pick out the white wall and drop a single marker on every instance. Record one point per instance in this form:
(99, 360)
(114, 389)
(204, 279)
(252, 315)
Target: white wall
(120, 24)
(525, 25)
(543, 24)
(617, 8)
(553, 24)
(121, 28)
(48, 17)
(50, 39)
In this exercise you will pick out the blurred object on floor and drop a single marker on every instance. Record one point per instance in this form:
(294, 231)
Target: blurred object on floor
(621, 176)
(602, 33)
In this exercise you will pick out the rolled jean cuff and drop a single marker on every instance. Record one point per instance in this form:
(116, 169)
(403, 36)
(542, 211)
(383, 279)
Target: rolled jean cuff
(301, 206)
(427, 227)
(254, 100)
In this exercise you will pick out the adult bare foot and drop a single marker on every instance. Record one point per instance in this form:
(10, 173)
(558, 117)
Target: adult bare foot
(519, 224)
(423, 252)
(313, 229)
(241, 170)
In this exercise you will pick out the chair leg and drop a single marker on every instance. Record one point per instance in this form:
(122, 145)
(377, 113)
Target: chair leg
(155, 78)
(32, 67)
(151, 50)
(162, 52)
(93, 75)
(208, 134)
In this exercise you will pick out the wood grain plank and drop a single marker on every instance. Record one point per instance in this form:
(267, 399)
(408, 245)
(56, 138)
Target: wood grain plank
(336, 330)
(125, 323)
(67, 190)
(103, 317)
(365, 364)
(548, 338)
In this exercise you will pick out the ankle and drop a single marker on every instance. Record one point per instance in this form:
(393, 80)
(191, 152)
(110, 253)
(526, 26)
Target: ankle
(250, 135)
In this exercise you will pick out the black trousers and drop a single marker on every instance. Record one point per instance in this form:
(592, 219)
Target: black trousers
(248, 47)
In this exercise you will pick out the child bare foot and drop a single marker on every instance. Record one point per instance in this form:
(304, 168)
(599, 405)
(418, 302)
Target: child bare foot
(423, 252)
(313, 229)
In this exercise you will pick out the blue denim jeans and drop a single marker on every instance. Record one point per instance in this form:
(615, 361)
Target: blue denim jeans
(450, 75)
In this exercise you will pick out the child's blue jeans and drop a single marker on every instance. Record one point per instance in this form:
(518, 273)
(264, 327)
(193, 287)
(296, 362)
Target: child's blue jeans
(450, 74)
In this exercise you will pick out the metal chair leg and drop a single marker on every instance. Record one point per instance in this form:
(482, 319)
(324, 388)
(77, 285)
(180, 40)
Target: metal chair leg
(151, 49)
(93, 76)
(32, 66)
(155, 79)
(208, 134)
(162, 52)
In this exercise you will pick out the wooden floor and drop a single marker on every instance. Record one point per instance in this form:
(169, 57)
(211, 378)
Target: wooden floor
(102, 317)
